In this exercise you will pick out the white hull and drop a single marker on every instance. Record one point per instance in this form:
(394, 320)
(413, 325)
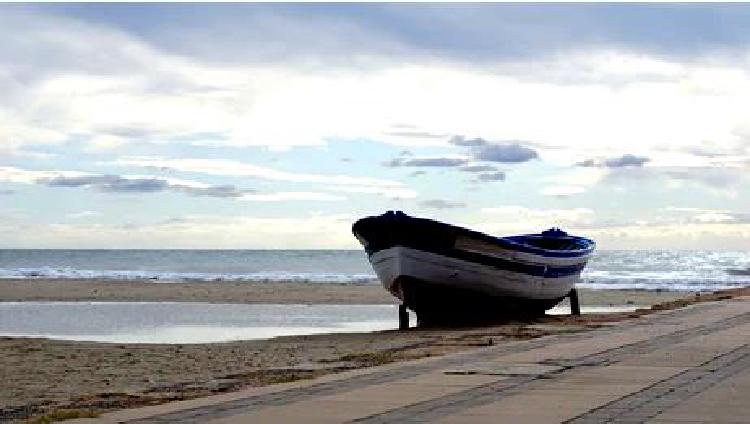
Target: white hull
(453, 273)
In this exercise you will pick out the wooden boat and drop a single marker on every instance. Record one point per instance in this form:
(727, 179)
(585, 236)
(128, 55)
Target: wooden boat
(448, 274)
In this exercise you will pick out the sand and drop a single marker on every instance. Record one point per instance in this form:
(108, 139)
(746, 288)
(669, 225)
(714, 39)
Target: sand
(42, 377)
(257, 292)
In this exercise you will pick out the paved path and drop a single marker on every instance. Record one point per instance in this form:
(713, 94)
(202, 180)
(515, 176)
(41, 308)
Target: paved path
(684, 366)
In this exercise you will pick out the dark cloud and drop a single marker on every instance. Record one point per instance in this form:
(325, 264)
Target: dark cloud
(215, 191)
(504, 153)
(472, 33)
(441, 204)
(118, 184)
(460, 140)
(109, 183)
(477, 168)
(417, 173)
(87, 180)
(491, 176)
(426, 162)
(139, 185)
(6, 192)
(626, 160)
(588, 163)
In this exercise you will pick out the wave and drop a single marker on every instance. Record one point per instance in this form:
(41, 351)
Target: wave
(156, 276)
(663, 285)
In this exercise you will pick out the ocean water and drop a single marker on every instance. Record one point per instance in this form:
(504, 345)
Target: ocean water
(636, 269)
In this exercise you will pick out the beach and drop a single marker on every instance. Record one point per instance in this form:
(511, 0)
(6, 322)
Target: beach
(42, 375)
(280, 292)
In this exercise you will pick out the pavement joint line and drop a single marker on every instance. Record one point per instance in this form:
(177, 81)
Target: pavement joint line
(434, 409)
(297, 394)
(659, 397)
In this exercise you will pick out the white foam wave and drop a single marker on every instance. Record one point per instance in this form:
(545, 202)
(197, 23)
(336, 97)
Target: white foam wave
(72, 273)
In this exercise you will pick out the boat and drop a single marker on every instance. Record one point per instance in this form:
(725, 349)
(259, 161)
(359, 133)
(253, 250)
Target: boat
(446, 274)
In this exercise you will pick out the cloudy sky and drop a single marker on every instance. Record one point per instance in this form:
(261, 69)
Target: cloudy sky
(276, 126)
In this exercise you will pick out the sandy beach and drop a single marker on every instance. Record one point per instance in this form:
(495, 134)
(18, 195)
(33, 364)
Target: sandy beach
(16, 290)
(44, 376)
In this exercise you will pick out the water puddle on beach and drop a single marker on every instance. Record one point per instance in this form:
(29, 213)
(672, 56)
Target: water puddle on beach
(177, 322)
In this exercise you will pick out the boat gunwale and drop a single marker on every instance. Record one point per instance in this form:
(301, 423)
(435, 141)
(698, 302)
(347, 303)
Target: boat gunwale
(505, 242)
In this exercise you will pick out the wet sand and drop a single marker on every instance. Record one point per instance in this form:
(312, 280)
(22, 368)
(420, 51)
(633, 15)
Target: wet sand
(257, 292)
(44, 376)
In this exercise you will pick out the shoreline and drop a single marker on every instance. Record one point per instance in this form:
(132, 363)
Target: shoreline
(95, 290)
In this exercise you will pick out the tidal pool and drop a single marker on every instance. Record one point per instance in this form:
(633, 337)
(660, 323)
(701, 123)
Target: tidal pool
(184, 322)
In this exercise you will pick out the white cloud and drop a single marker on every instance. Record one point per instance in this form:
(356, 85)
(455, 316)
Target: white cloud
(609, 101)
(194, 231)
(390, 192)
(562, 191)
(701, 236)
(82, 214)
(149, 184)
(16, 175)
(241, 169)
(689, 215)
(572, 181)
(292, 195)
(515, 219)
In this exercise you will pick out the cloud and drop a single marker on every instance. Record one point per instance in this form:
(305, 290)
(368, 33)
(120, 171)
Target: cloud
(626, 160)
(516, 219)
(689, 215)
(562, 190)
(415, 134)
(426, 162)
(6, 192)
(572, 215)
(295, 195)
(82, 214)
(242, 169)
(460, 140)
(136, 184)
(110, 183)
(361, 34)
(441, 204)
(623, 161)
(59, 86)
(477, 168)
(491, 176)
(725, 181)
(505, 153)
(190, 231)
(389, 192)
(710, 176)
(22, 176)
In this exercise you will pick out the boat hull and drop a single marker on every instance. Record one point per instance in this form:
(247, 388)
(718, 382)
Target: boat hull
(445, 289)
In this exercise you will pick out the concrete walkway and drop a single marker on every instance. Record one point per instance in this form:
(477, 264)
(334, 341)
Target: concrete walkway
(684, 366)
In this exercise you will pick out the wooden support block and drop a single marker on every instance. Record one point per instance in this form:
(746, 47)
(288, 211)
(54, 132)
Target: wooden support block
(575, 307)
(403, 317)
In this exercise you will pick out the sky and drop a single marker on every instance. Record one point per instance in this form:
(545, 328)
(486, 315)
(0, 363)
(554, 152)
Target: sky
(277, 126)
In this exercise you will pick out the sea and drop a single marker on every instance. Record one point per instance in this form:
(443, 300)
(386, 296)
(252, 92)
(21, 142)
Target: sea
(666, 270)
